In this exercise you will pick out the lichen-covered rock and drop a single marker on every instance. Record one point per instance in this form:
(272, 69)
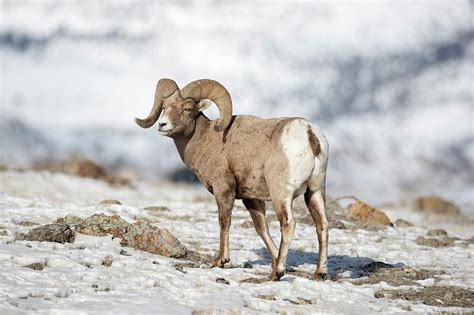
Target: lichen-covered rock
(59, 233)
(139, 235)
(69, 219)
(402, 223)
(443, 241)
(360, 211)
(436, 205)
(437, 232)
(27, 223)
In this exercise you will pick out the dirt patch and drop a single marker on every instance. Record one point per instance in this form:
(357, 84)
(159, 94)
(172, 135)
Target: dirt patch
(443, 296)
(436, 205)
(299, 273)
(255, 280)
(397, 276)
(443, 241)
(59, 233)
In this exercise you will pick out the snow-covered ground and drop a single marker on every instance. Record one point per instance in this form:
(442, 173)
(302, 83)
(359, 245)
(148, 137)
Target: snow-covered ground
(75, 281)
(390, 83)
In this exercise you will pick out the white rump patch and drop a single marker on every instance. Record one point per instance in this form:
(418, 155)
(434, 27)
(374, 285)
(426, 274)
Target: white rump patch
(296, 146)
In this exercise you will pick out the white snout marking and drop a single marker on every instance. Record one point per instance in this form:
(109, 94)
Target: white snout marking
(164, 125)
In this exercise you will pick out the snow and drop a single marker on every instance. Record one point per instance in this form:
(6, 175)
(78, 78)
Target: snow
(75, 282)
(395, 100)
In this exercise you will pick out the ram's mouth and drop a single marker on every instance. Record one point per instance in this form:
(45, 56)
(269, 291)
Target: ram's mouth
(164, 132)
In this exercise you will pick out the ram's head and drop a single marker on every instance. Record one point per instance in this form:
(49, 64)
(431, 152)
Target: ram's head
(179, 108)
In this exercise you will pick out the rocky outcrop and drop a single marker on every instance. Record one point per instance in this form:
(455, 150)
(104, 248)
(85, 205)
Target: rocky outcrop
(361, 211)
(59, 233)
(436, 205)
(139, 235)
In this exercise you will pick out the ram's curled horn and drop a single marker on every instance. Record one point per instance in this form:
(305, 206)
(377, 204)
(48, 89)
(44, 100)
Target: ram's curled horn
(164, 89)
(214, 91)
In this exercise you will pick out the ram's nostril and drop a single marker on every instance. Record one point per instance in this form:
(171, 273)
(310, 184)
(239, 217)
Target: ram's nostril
(162, 124)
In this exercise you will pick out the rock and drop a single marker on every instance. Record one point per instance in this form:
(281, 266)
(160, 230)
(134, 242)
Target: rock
(375, 266)
(69, 219)
(337, 225)
(107, 262)
(402, 223)
(436, 205)
(437, 232)
(83, 168)
(139, 235)
(247, 265)
(3, 233)
(268, 297)
(300, 301)
(222, 280)
(27, 223)
(110, 202)
(37, 266)
(362, 212)
(435, 242)
(59, 233)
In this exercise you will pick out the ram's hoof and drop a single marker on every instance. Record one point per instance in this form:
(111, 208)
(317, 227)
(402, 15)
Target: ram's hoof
(220, 262)
(276, 276)
(320, 276)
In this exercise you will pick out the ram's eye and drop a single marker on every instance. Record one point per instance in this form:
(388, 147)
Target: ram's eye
(187, 109)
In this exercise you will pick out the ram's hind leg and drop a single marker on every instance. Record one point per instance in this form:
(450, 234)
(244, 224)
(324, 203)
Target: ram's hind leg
(257, 212)
(315, 200)
(287, 228)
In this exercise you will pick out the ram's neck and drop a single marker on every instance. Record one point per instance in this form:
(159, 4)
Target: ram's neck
(187, 146)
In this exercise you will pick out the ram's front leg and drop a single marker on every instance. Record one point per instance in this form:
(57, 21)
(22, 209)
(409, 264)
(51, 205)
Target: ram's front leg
(225, 202)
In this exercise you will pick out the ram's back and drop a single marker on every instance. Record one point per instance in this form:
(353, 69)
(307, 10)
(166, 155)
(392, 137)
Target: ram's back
(253, 144)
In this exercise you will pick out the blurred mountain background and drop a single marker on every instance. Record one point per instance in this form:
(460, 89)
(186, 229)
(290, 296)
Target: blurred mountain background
(390, 83)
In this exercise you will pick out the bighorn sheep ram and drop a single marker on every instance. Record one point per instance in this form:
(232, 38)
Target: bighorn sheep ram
(249, 158)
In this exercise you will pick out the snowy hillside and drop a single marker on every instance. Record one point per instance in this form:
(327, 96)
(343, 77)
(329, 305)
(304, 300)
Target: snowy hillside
(389, 83)
(95, 275)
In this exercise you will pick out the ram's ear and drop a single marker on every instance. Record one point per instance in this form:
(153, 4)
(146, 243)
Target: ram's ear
(204, 104)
